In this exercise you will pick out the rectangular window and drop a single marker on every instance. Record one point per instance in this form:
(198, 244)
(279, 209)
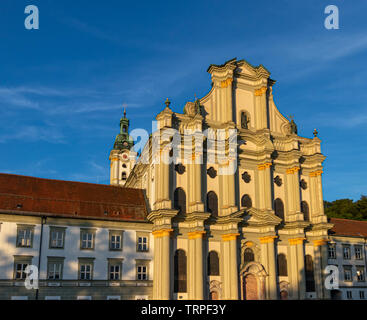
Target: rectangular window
(20, 271)
(142, 273)
(57, 238)
(346, 252)
(360, 273)
(142, 243)
(347, 274)
(86, 268)
(115, 270)
(25, 236)
(87, 239)
(116, 237)
(54, 268)
(332, 251)
(358, 252)
(349, 294)
(361, 295)
(20, 264)
(86, 271)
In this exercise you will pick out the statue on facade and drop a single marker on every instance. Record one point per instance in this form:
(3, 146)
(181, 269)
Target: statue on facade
(244, 120)
(293, 126)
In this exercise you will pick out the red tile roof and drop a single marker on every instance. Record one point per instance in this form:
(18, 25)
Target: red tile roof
(345, 227)
(71, 199)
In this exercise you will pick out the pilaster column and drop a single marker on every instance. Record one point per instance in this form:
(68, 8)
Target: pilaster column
(260, 104)
(162, 264)
(196, 271)
(320, 261)
(264, 186)
(268, 260)
(298, 277)
(293, 194)
(227, 189)
(230, 272)
(317, 206)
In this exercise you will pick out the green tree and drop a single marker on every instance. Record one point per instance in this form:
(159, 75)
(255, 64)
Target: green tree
(347, 209)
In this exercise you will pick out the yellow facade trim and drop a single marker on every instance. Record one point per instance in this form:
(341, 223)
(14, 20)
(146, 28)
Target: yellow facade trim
(320, 242)
(296, 241)
(268, 239)
(230, 236)
(249, 244)
(292, 170)
(264, 166)
(115, 159)
(226, 83)
(162, 233)
(196, 234)
(316, 173)
(260, 92)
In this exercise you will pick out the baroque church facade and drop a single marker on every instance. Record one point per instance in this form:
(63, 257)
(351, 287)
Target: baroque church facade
(259, 232)
(223, 202)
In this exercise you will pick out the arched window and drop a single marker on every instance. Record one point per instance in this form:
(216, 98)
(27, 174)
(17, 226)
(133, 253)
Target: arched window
(305, 210)
(279, 208)
(282, 265)
(124, 128)
(213, 263)
(180, 271)
(123, 176)
(310, 279)
(124, 165)
(179, 199)
(246, 201)
(248, 256)
(212, 203)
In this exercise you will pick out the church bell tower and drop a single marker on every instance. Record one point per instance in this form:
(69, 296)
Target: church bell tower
(122, 155)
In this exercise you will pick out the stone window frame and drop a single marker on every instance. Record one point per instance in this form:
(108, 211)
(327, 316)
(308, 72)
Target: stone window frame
(347, 268)
(358, 268)
(52, 260)
(332, 248)
(347, 246)
(20, 259)
(142, 234)
(142, 263)
(61, 229)
(21, 227)
(114, 232)
(360, 247)
(87, 231)
(85, 260)
(349, 294)
(114, 261)
(361, 295)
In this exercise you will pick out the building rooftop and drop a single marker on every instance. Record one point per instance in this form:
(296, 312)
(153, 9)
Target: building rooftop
(345, 227)
(37, 196)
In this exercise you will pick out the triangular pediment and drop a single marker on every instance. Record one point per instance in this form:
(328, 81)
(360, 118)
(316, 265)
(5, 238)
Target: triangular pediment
(256, 217)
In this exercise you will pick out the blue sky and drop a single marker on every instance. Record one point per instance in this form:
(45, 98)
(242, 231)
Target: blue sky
(62, 87)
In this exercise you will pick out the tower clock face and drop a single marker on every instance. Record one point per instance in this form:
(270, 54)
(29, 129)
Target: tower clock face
(124, 156)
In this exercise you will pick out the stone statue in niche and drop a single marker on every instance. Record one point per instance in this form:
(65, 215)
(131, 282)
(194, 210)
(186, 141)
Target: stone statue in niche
(244, 120)
(303, 184)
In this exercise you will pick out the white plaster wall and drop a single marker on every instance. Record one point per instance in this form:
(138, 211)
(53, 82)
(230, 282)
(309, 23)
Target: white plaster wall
(72, 252)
